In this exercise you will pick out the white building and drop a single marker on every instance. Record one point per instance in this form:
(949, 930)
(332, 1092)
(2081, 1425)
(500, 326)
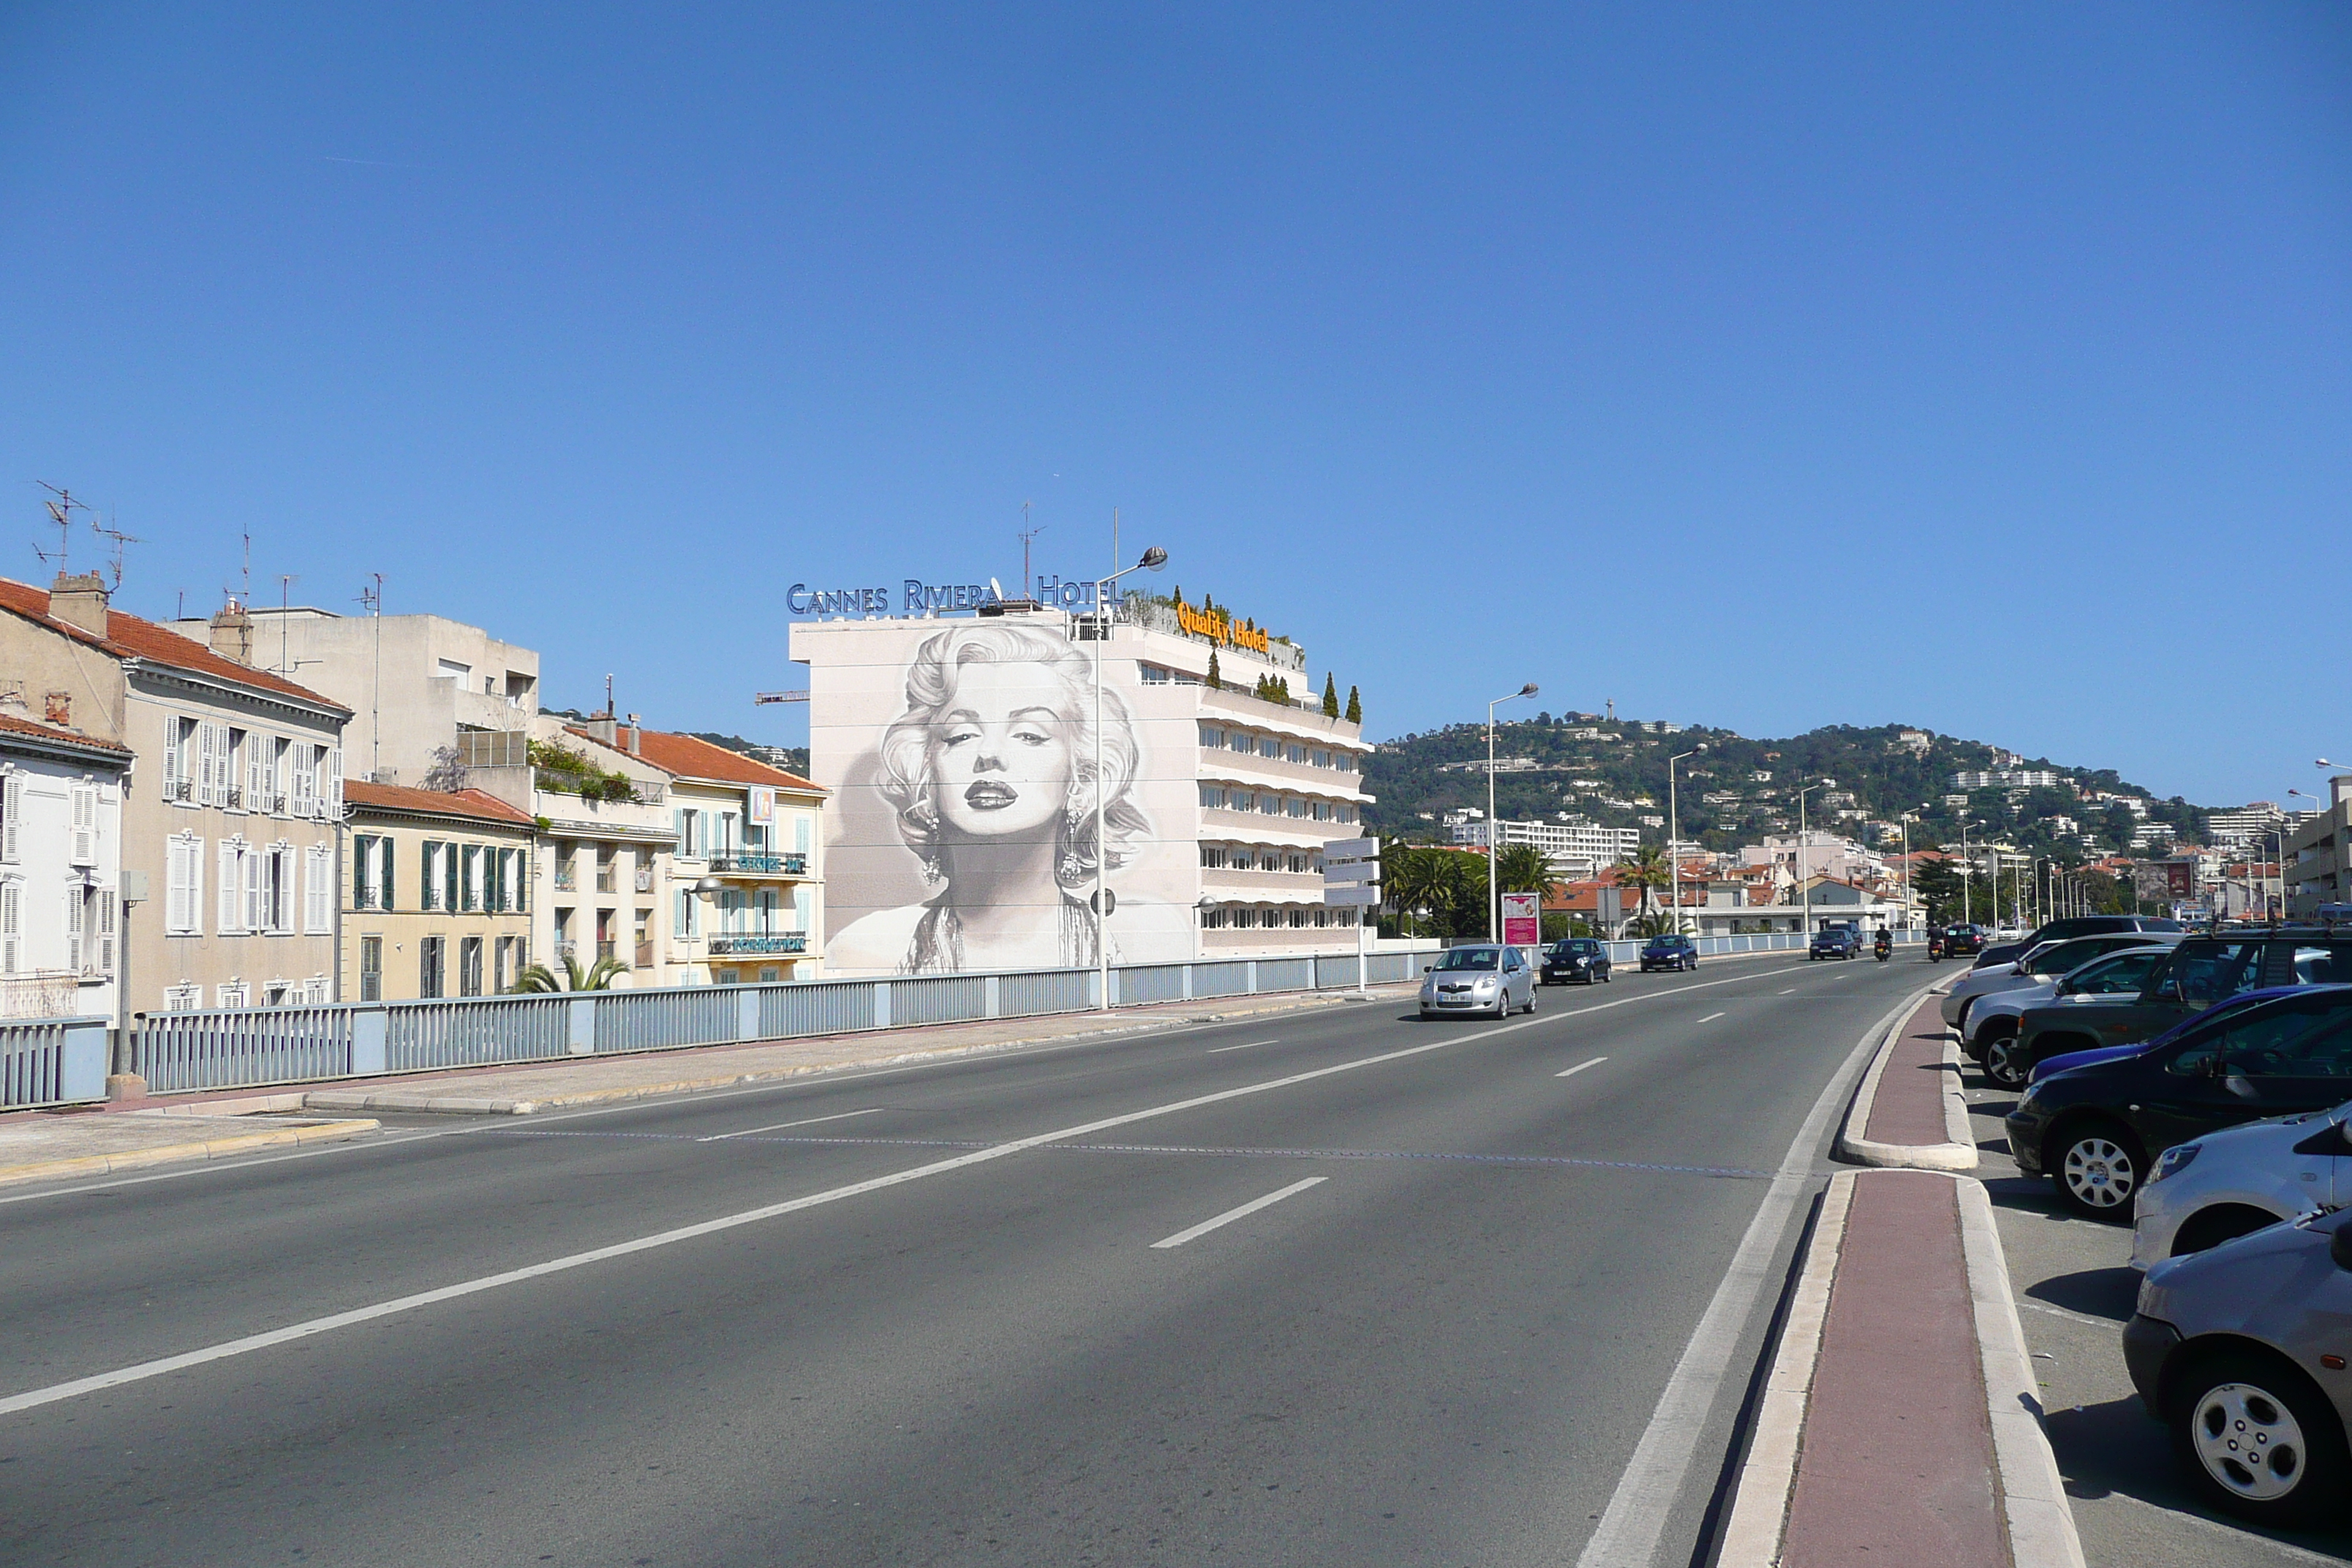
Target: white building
(1218, 798)
(2246, 824)
(60, 870)
(2009, 778)
(1574, 847)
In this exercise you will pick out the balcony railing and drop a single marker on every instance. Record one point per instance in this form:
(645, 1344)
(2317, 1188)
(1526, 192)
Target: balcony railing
(760, 864)
(736, 945)
(567, 880)
(644, 955)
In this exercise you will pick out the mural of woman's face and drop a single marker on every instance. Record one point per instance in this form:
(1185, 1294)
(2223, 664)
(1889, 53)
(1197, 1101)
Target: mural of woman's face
(1000, 759)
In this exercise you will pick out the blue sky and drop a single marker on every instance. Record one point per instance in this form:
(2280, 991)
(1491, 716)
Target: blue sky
(1757, 366)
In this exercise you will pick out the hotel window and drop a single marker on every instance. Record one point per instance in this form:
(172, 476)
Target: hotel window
(1298, 863)
(1215, 918)
(604, 867)
(233, 993)
(1212, 737)
(567, 875)
(184, 886)
(183, 998)
(469, 884)
(1213, 857)
(689, 838)
(1245, 919)
(1344, 760)
(1347, 812)
(1153, 675)
(1298, 919)
(469, 966)
(1322, 758)
(1294, 754)
(1213, 796)
(1295, 807)
(1240, 742)
(1269, 747)
(1322, 810)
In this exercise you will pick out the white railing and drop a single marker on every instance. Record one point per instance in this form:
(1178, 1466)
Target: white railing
(243, 1048)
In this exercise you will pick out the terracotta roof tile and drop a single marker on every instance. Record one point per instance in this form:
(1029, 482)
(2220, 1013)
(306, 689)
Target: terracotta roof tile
(443, 802)
(13, 725)
(128, 637)
(683, 756)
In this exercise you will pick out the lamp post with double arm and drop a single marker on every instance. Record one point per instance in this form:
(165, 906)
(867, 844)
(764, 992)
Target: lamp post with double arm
(1152, 560)
(1494, 894)
(1674, 836)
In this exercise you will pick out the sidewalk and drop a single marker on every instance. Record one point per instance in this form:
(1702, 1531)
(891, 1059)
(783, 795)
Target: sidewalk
(1899, 1424)
(60, 1145)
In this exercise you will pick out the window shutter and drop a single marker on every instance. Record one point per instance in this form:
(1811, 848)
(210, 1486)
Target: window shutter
(172, 762)
(232, 892)
(76, 914)
(181, 899)
(318, 878)
(204, 761)
(449, 876)
(384, 891)
(85, 824)
(12, 811)
(106, 931)
(11, 927)
(335, 803)
(303, 804)
(251, 866)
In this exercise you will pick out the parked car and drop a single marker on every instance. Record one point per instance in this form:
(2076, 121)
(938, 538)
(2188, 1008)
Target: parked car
(2073, 926)
(1962, 939)
(1577, 961)
(2203, 970)
(2092, 1126)
(1480, 979)
(1669, 953)
(1989, 1034)
(2240, 1351)
(2233, 1183)
(1834, 941)
(2039, 964)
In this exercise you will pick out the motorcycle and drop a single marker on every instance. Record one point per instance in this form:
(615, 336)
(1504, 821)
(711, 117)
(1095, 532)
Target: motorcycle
(1885, 948)
(1936, 948)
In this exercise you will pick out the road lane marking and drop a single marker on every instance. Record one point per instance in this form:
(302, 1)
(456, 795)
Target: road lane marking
(1635, 1519)
(1792, 991)
(1220, 1050)
(142, 1371)
(1251, 1207)
(1580, 1067)
(1710, 1018)
(779, 1127)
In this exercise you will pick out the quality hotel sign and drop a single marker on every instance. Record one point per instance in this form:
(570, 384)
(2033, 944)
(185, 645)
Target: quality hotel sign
(1219, 627)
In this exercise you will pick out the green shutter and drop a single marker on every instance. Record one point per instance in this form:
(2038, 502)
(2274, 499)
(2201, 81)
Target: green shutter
(385, 892)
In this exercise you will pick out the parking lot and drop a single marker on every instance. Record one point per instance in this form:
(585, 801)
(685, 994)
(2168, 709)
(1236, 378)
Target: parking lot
(2074, 1292)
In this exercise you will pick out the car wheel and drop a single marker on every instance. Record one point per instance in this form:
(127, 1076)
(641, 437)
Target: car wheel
(2258, 1440)
(1531, 1002)
(2209, 1228)
(2003, 1063)
(2098, 1170)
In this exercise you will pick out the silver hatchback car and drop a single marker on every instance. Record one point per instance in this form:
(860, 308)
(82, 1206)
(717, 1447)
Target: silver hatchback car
(1474, 979)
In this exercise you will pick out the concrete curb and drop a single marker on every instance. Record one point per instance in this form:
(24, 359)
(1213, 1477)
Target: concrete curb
(177, 1153)
(1759, 1508)
(1959, 1152)
(415, 1102)
(2033, 1496)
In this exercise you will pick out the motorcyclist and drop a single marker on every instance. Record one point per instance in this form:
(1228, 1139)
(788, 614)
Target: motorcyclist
(1935, 946)
(1885, 945)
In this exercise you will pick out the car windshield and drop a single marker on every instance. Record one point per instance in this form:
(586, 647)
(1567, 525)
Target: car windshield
(1468, 958)
(1571, 948)
(2113, 975)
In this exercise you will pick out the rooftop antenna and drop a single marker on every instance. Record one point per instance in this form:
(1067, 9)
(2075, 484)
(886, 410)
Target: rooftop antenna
(61, 512)
(1027, 534)
(610, 711)
(372, 601)
(288, 665)
(118, 540)
(241, 597)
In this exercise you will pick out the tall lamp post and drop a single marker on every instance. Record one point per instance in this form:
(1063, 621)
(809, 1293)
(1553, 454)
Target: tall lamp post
(1495, 894)
(1804, 890)
(1906, 819)
(1673, 834)
(1152, 561)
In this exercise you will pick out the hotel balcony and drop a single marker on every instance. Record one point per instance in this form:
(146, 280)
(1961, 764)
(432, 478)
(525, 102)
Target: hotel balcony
(738, 944)
(760, 864)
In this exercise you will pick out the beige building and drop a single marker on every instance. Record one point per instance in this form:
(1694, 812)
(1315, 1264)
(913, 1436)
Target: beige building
(604, 839)
(753, 830)
(437, 902)
(2318, 868)
(232, 808)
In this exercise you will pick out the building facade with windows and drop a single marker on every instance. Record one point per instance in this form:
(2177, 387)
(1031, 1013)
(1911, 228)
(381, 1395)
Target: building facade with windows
(754, 830)
(60, 869)
(1220, 788)
(233, 815)
(437, 901)
(1573, 847)
(605, 842)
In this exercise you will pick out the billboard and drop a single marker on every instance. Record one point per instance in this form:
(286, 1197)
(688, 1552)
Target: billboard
(1523, 920)
(967, 826)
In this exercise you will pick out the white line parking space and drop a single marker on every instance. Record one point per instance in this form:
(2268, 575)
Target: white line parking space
(1251, 1207)
(1220, 1050)
(779, 1127)
(1580, 1067)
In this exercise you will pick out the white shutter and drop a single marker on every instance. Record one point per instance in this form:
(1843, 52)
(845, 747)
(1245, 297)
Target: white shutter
(303, 803)
(176, 761)
(256, 773)
(85, 824)
(106, 931)
(255, 916)
(212, 748)
(318, 881)
(335, 802)
(12, 810)
(11, 927)
(180, 886)
(232, 890)
(76, 913)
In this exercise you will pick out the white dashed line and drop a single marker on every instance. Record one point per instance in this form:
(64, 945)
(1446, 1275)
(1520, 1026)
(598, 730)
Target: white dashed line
(1710, 1018)
(1251, 1207)
(1219, 1050)
(780, 1126)
(1580, 1067)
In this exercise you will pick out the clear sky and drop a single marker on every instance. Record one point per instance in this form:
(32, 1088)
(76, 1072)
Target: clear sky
(1983, 367)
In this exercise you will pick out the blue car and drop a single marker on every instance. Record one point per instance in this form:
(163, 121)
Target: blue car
(1669, 953)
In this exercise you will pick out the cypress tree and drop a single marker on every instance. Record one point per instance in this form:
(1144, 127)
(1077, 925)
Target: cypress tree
(1215, 682)
(1331, 694)
(1354, 707)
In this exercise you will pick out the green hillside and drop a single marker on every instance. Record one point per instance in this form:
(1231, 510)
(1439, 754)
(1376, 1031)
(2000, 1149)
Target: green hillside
(1614, 772)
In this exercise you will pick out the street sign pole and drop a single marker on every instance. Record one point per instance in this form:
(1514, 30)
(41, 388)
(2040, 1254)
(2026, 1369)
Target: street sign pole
(1352, 870)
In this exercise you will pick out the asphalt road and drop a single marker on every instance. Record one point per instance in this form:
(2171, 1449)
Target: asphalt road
(1445, 1349)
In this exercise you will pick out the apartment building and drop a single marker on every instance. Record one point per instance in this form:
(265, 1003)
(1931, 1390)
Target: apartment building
(1574, 847)
(61, 868)
(743, 887)
(605, 835)
(437, 902)
(2318, 871)
(234, 822)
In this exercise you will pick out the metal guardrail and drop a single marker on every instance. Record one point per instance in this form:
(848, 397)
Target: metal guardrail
(244, 1047)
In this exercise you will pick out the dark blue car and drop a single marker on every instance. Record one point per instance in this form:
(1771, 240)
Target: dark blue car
(1669, 953)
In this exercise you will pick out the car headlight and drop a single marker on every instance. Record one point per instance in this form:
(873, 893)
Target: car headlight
(2174, 1160)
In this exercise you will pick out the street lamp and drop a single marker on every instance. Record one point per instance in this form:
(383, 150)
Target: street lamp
(1495, 894)
(1152, 560)
(1965, 865)
(1907, 819)
(706, 889)
(1674, 834)
(1802, 888)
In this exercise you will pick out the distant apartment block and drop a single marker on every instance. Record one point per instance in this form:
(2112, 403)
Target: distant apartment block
(2009, 778)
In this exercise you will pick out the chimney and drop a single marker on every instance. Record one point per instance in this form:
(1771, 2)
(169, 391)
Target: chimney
(601, 726)
(80, 602)
(232, 633)
(637, 736)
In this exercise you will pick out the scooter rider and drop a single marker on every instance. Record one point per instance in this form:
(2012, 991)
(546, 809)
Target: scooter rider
(1885, 946)
(1935, 946)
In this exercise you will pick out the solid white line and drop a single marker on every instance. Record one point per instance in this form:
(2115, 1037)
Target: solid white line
(1251, 1207)
(1220, 1050)
(1792, 991)
(1580, 1067)
(142, 1371)
(779, 1127)
(1710, 1018)
(1635, 1519)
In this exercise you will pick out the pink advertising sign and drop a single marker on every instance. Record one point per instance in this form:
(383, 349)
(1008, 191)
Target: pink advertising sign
(1523, 918)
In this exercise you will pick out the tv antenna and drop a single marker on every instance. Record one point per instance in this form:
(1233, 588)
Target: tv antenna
(61, 512)
(116, 540)
(1027, 535)
(242, 597)
(286, 665)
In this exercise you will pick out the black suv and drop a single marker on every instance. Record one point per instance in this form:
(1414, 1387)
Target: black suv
(1669, 953)
(1577, 961)
(2093, 1128)
(2203, 970)
(1835, 941)
(2074, 926)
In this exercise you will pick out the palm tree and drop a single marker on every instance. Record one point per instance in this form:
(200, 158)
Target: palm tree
(1416, 878)
(597, 976)
(1646, 869)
